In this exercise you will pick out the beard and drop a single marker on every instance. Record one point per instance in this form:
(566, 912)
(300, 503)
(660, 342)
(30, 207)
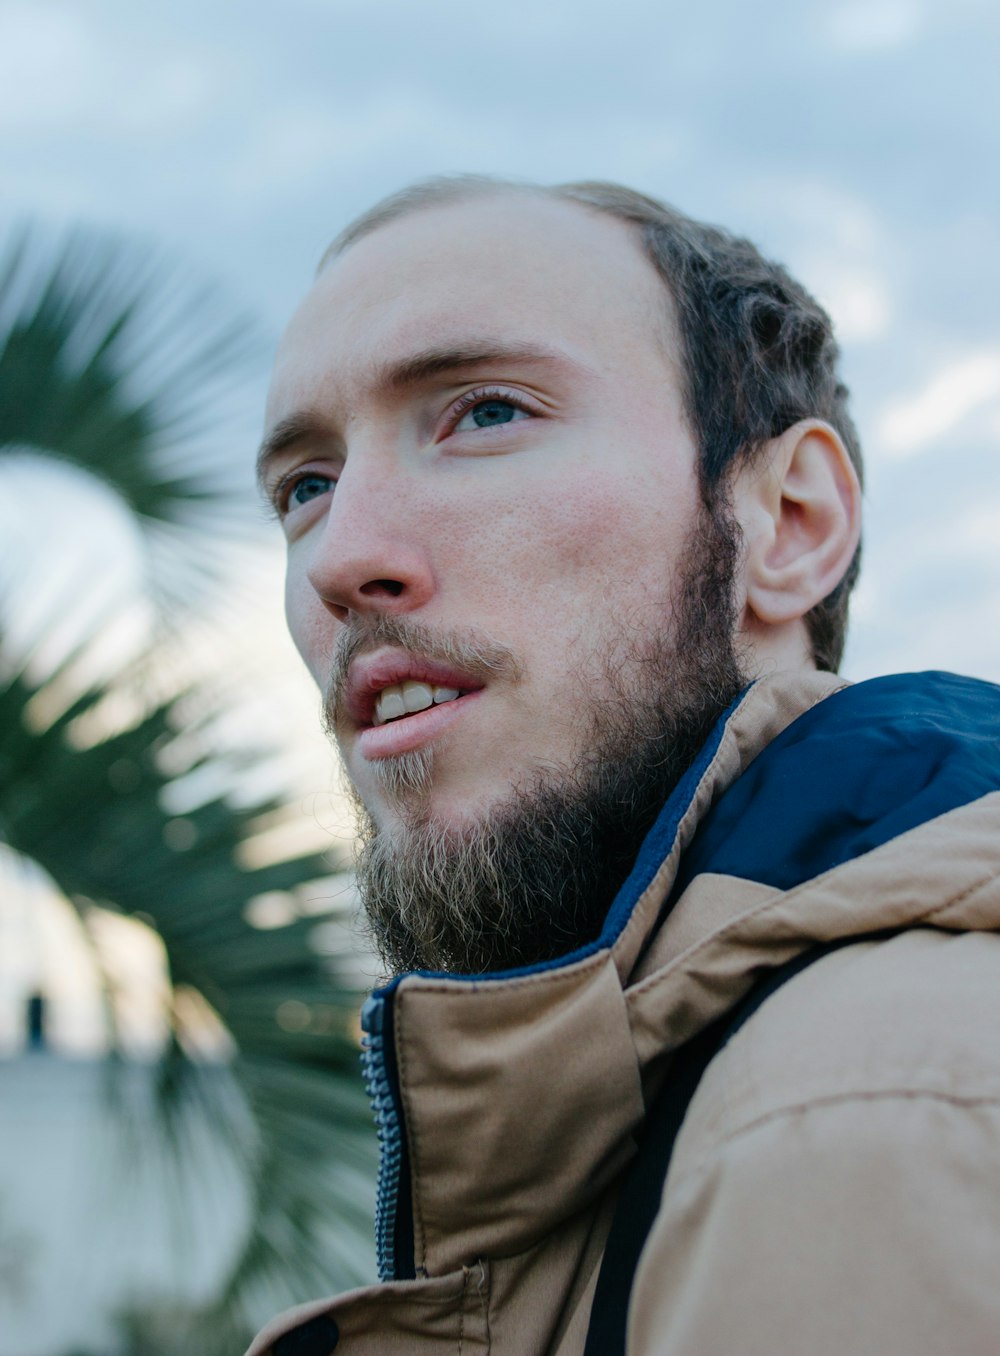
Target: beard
(534, 877)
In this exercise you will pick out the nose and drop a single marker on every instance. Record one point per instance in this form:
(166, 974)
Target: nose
(368, 556)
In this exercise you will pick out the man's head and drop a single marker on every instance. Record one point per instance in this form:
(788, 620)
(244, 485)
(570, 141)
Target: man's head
(515, 465)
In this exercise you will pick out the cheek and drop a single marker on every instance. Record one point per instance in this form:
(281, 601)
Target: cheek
(594, 533)
(310, 625)
(593, 523)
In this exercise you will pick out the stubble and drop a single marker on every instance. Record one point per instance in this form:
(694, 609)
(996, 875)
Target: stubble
(535, 876)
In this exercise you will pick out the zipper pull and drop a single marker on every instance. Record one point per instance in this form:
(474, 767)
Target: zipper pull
(373, 1015)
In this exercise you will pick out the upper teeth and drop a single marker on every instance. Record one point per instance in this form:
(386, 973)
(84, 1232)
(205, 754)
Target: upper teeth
(404, 698)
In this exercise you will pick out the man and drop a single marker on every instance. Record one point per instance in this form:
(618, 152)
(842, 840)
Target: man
(571, 498)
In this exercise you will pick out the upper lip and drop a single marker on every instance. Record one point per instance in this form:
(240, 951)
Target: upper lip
(371, 674)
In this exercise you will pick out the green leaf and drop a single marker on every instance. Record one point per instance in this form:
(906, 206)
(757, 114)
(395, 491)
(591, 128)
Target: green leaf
(289, 1108)
(120, 365)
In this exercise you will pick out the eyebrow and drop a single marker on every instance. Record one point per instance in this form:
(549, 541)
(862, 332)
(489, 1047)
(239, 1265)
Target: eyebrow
(433, 362)
(305, 426)
(391, 378)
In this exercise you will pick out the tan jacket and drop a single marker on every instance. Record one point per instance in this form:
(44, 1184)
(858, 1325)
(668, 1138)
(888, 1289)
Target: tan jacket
(835, 1189)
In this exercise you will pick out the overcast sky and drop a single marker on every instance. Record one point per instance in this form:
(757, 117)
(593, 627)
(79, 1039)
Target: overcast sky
(856, 141)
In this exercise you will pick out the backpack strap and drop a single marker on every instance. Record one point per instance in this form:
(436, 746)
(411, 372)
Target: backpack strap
(642, 1186)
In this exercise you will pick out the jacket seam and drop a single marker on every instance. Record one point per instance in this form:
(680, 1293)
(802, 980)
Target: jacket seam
(472, 988)
(821, 1103)
(728, 742)
(965, 894)
(412, 1139)
(461, 1314)
(484, 1300)
(668, 866)
(785, 896)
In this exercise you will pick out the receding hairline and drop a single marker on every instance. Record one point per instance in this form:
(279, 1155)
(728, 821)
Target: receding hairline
(451, 190)
(455, 190)
(752, 348)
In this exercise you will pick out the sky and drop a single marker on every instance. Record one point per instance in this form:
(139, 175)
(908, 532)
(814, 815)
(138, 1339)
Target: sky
(856, 142)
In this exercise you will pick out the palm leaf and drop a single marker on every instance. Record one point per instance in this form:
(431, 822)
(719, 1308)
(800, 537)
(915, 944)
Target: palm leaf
(288, 1109)
(122, 368)
(117, 364)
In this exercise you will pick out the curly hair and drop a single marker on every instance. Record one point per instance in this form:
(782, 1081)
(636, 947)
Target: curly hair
(758, 352)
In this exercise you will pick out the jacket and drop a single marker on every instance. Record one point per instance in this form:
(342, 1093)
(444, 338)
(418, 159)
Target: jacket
(835, 1187)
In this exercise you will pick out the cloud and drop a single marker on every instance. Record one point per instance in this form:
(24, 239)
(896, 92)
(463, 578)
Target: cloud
(873, 25)
(975, 535)
(303, 141)
(858, 302)
(965, 387)
(49, 65)
(59, 72)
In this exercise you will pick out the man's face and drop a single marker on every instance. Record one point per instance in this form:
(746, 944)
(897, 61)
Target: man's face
(487, 485)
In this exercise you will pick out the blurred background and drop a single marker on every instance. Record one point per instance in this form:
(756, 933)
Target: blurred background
(184, 1141)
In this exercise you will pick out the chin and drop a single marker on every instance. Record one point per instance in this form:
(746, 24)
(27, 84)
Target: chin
(430, 810)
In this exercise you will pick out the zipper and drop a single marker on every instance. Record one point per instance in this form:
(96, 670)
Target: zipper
(377, 1067)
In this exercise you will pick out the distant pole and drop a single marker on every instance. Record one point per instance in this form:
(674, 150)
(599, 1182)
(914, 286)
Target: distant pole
(36, 1022)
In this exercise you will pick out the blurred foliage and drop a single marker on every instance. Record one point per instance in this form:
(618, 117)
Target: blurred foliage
(110, 365)
(91, 815)
(116, 363)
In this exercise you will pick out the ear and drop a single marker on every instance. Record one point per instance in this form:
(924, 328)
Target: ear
(799, 506)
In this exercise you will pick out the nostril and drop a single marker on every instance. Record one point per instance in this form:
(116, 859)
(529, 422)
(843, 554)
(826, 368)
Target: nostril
(378, 587)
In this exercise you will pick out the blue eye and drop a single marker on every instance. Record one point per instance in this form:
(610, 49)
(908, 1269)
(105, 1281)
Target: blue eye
(490, 414)
(309, 487)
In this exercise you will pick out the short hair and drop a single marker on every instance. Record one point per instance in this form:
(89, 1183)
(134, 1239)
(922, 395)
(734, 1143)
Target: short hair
(758, 352)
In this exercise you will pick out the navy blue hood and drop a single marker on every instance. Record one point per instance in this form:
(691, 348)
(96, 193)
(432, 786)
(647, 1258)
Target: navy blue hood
(860, 768)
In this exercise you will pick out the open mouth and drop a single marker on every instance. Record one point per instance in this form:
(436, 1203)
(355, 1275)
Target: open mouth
(406, 699)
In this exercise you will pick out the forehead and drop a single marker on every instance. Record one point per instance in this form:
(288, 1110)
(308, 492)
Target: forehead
(511, 267)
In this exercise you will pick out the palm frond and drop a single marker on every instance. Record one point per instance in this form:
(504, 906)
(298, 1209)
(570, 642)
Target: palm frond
(118, 364)
(288, 1110)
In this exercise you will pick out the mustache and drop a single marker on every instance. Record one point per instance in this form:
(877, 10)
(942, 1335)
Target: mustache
(469, 650)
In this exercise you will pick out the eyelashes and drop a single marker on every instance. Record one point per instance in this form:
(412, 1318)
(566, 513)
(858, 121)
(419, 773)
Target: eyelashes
(279, 499)
(484, 395)
(279, 495)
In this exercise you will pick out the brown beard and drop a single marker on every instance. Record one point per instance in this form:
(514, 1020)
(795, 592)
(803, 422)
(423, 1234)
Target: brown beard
(534, 878)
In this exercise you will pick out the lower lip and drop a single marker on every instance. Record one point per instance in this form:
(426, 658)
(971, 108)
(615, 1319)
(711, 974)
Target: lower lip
(402, 736)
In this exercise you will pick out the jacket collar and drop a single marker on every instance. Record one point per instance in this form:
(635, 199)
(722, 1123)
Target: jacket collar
(521, 1093)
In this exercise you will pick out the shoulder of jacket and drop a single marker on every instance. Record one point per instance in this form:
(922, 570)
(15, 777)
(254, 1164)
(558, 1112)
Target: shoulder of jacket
(901, 1017)
(833, 1187)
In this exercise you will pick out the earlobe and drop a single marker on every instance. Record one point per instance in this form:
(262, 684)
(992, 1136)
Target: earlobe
(800, 510)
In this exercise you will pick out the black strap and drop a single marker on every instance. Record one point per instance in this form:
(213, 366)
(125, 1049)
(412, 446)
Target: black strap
(316, 1337)
(642, 1188)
